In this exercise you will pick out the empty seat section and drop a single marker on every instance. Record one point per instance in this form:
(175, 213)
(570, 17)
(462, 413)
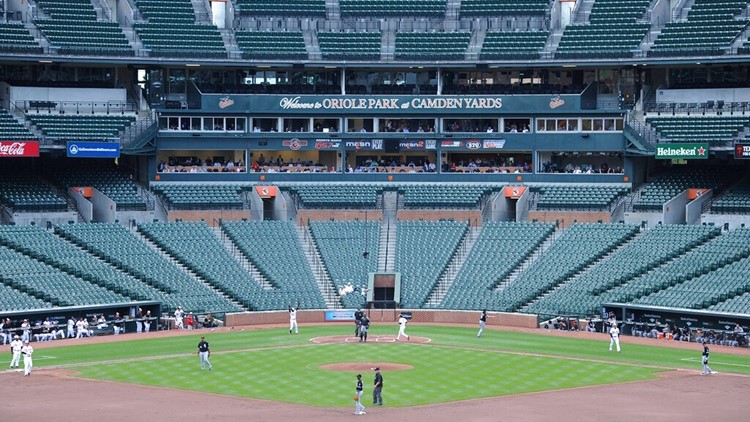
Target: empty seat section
(73, 28)
(116, 185)
(116, 245)
(335, 195)
(274, 249)
(709, 30)
(170, 23)
(444, 195)
(392, 7)
(614, 30)
(423, 251)
(197, 247)
(68, 258)
(349, 45)
(504, 7)
(662, 188)
(11, 129)
(81, 127)
(342, 246)
(501, 248)
(515, 45)
(579, 246)
(306, 8)
(432, 45)
(29, 194)
(270, 45)
(736, 200)
(586, 197)
(45, 282)
(196, 197)
(644, 253)
(15, 38)
(716, 129)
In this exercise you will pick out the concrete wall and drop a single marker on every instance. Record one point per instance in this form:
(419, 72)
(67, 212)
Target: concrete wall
(727, 95)
(693, 208)
(105, 209)
(474, 216)
(18, 94)
(674, 209)
(733, 220)
(41, 219)
(566, 218)
(85, 207)
(651, 218)
(303, 216)
(211, 217)
(389, 316)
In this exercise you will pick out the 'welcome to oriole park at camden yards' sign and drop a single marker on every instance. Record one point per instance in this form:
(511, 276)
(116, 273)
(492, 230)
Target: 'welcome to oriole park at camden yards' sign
(684, 151)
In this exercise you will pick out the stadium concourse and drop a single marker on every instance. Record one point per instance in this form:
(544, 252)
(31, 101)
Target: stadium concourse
(543, 158)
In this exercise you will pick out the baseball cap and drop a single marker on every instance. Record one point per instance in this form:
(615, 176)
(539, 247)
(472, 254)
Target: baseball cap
(359, 375)
(377, 369)
(202, 337)
(16, 337)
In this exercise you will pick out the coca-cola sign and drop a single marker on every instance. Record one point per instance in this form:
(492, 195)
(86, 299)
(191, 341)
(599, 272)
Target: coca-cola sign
(19, 148)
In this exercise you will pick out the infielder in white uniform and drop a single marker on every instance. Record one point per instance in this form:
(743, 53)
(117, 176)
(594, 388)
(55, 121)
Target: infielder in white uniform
(27, 351)
(293, 321)
(401, 327)
(15, 347)
(614, 335)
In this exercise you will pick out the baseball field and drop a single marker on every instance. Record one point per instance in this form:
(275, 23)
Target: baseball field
(267, 374)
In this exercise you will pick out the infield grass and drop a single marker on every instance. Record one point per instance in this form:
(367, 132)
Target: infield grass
(456, 365)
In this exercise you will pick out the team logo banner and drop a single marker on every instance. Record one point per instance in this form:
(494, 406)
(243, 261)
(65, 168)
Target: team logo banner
(683, 151)
(742, 151)
(93, 149)
(19, 149)
(266, 191)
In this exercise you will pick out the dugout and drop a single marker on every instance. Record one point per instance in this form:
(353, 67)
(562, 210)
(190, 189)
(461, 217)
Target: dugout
(59, 315)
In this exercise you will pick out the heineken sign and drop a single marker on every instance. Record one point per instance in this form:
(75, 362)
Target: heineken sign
(682, 151)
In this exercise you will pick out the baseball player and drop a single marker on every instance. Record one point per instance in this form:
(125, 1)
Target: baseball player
(71, 327)
(15, 348)
(401, 327)
(178, 316)
(293, 320)
(614, 336)
(359, 409)
(139, 321)
(27, 351)
(204, 351)
(377, 389)
(704, 359)
(482, 322)
(364, 325)
(357, 319)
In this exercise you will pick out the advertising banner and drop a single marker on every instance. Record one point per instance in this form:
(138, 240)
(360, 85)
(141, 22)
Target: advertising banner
(670, 151)
(343, 315)
(19, 149)
(514, 192)
(93, 149)
(742, 151)
(266, 191)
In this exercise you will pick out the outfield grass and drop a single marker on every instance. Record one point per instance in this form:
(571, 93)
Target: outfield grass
(270, 364)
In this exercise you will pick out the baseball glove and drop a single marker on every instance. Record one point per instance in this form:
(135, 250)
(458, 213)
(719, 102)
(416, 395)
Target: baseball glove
(356, 398)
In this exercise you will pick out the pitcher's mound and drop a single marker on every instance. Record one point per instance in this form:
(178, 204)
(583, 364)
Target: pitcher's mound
(365, 366)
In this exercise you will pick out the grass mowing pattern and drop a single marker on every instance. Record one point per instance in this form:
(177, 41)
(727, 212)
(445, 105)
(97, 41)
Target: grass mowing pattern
(440, 374)
(456, 366)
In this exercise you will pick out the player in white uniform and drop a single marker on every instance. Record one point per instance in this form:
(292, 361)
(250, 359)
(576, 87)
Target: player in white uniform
(614, 336)
(293, 321)
(27, 351)
(178, 315)
(71, 327)
(15, 348)
(401, 327)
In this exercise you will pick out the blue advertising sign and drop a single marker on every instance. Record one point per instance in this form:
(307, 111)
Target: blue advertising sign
(339, 315)
(93, 149)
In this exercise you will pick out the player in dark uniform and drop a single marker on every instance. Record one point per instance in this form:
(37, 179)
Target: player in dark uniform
(704, 359)
(204, 351)
(359, 408)
(377, 389)
(364, 325)
(357, 321)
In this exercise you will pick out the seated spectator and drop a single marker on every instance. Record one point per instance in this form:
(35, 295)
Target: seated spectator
(590, 326)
